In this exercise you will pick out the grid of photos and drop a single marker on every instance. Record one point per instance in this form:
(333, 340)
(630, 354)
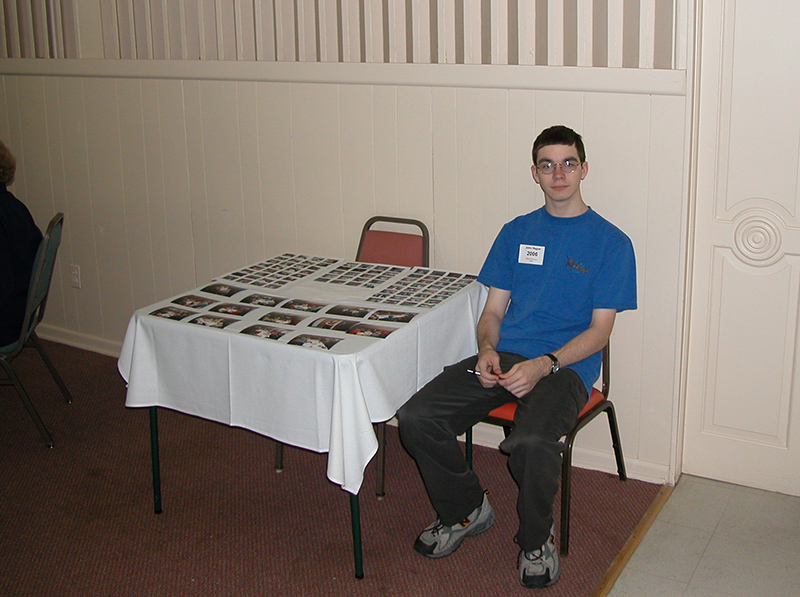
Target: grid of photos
(355, 328)
(311, 323)
(423, 287)
(365, 275)
(322, 319)
(279, 316)
(279, 271)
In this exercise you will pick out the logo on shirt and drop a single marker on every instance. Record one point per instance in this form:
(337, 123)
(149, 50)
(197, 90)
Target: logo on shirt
(575, 266)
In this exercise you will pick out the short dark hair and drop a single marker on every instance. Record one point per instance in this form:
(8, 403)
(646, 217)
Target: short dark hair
(8, 165)
(559, 135)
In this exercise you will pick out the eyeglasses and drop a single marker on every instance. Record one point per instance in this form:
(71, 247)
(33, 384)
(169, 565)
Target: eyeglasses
(567, 166)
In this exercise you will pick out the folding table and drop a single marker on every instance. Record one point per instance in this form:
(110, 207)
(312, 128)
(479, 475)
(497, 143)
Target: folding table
(307, 350)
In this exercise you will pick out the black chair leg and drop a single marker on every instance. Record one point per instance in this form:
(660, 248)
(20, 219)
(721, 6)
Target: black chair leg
(34, 340)
(468, 447)
(26, 401)
(615, 442)
(566, 467)
(566, 493)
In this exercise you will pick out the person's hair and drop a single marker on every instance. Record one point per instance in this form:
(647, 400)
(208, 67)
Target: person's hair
(8, 165)
(559, 135)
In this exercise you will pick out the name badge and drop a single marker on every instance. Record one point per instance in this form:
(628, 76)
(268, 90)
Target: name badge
(531, 254)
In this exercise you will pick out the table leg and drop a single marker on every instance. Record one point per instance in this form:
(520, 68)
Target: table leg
(355, 510)
(380, 457)
(355, 518)
(155, 459)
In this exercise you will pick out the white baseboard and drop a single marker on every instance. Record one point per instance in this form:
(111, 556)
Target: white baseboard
(640, 470)
(78, 340)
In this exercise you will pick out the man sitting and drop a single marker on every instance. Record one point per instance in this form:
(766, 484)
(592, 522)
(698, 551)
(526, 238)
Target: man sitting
(557, 278)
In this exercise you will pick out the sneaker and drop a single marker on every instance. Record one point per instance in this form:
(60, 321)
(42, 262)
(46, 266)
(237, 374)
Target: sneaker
(438, 540)
(540, 568)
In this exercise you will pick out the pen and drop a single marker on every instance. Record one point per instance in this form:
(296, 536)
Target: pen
(478, 373)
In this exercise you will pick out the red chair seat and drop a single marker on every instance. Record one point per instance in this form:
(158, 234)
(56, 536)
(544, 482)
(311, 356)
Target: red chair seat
(509, 409)
(595, 398)
(506, 412)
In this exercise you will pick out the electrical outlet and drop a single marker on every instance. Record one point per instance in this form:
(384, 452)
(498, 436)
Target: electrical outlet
(75, 276)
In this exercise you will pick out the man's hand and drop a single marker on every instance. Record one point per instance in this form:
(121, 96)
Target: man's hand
(488, 366)
(494, 310)
(522, 377)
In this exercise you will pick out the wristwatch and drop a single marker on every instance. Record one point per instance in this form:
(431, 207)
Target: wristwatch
(556, 365)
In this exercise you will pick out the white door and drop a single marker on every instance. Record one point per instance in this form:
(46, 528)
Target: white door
(743, 376)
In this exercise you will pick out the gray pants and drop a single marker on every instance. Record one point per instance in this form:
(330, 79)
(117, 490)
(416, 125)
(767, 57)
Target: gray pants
(455, 401)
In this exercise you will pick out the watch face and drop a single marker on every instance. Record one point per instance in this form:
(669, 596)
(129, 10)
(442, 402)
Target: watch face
(555, 366)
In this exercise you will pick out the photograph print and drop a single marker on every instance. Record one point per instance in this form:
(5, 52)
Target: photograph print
(213, 321)
(172, 313)
(312, 341)
(331, 323)
(232, 309)
(262, 300)
(394, 316)
(223, 289)
(265, 331)
(370, 331)
(283, 318)
(303, 305)
(193, 301)
(349, 311)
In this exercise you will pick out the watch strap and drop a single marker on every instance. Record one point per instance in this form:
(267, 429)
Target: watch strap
(556, 365)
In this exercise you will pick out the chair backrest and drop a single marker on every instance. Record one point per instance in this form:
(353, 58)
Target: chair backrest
(605, 376)
(597, 396)
(394, 248)
(41, 275)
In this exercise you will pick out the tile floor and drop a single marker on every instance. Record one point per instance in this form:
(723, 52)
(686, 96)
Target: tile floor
(714, 539)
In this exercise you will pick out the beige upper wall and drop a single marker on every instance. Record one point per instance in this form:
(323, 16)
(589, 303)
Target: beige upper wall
(89, 29)
(634, 34)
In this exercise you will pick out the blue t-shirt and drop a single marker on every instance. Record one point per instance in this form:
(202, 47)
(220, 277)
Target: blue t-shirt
(558, 271)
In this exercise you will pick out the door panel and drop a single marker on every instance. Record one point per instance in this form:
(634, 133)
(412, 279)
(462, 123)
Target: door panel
(743, 376)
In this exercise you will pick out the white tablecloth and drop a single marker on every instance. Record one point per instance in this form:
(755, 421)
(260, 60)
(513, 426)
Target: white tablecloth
(322, 400)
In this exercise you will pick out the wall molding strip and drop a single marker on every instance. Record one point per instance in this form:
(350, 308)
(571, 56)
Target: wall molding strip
(530, 77)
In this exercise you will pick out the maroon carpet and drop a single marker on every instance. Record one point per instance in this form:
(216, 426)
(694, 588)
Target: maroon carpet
(78, 519)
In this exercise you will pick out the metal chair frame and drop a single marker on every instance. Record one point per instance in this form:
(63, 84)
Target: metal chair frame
(598, 403)
(34, 312)
(425, 257)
